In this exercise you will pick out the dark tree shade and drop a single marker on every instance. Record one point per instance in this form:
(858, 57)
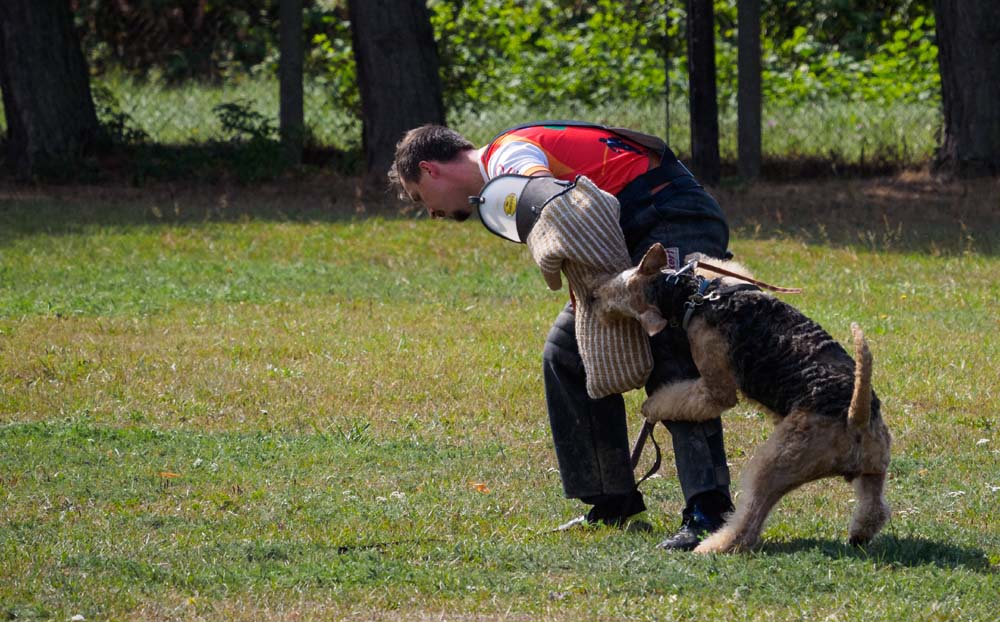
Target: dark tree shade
(968, 33)
(398, 78)
(51, 121)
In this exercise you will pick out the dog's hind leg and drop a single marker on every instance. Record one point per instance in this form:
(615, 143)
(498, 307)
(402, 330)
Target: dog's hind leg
(797, 452)
(872, 511)
(762, 486)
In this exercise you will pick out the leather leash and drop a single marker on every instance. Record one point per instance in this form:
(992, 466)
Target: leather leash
(640, 442)
(743, 277)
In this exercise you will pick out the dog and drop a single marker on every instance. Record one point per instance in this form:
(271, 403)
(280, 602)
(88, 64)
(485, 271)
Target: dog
(828, 420)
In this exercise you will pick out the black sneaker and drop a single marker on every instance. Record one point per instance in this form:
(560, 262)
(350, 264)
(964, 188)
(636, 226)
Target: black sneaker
(612, 511)
(703, 516)
(629, 525)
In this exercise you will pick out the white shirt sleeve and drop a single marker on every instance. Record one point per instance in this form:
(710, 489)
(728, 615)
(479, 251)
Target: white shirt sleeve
(520, 158)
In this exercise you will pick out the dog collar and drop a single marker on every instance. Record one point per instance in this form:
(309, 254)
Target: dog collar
(697, 299)
(509, 205)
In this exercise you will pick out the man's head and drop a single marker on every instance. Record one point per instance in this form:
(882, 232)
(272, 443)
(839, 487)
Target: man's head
(436, 166)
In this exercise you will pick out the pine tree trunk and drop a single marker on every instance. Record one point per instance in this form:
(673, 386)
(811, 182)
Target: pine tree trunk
(968, 33)
(398, 77)
(51, 121)
(701, 77)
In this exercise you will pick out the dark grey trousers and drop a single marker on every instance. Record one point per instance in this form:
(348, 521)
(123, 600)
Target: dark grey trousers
(591, 436)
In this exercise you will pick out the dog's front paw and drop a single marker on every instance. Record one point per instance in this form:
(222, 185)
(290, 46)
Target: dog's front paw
(652, 413)
(684, 400)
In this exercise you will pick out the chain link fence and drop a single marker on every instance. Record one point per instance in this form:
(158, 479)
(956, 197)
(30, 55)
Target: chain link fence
(841, 133)
(203, 59)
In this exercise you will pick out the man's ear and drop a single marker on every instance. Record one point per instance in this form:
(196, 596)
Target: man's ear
(431, 168)
(654, 259)
(651, 320)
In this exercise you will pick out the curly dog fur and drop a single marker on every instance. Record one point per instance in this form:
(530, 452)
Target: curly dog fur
(828, 419)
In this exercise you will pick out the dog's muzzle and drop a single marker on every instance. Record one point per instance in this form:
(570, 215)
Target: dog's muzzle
(509, 205)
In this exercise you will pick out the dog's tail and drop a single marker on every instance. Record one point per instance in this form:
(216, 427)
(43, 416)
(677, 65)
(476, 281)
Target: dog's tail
(860, 411)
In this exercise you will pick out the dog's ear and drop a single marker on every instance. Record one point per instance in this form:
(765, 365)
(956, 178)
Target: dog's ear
(654, 260)
(651, 320)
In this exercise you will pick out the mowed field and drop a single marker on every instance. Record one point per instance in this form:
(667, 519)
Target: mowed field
(280, 403)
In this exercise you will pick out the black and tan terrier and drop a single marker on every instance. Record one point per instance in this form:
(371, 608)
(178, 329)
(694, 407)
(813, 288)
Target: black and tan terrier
(827, 417)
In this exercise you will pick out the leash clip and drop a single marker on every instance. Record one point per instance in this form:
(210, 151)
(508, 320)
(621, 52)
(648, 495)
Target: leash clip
(696, 300)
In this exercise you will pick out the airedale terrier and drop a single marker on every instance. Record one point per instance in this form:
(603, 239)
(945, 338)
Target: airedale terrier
(827, 417)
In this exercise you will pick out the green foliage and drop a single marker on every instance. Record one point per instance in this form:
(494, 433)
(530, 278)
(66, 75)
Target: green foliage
(502, 52)
(499, 52)
(119, 126)
(330, 61)
(177, 40)
(538, 53)
(258, 154)
(903, 68)
(856, 27)
(507, 60)
(241, 122)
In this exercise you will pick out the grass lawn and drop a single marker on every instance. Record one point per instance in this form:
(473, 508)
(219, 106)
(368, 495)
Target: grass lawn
(227, 403)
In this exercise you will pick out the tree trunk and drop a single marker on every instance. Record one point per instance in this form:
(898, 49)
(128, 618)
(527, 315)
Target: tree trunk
(701, 78)
(398, 64)
(968, 33)
(748, 98)
(291, 123)
(665, 53)
(51, 121)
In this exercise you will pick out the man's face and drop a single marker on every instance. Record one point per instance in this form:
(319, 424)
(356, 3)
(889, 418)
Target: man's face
(440, 192)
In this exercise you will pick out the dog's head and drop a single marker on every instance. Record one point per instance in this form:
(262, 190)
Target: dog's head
(624, 295)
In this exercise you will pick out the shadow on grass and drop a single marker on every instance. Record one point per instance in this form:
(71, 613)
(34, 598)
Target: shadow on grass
(889, 550)
(909, 212)
(305, 196)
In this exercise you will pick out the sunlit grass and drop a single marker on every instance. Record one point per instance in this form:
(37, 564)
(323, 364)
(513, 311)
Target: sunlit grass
(312, 416)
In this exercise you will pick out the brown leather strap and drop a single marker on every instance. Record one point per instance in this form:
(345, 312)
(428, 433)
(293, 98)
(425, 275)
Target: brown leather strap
(743, 277)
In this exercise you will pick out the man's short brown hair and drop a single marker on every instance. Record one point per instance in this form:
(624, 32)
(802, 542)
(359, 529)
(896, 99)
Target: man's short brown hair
(427, 142)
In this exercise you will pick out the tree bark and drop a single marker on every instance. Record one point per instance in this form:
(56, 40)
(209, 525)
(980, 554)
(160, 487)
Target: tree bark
(51, 121)
(748, 98)
(968, 33)
(398, 78)
(291, 116)
(701, 78)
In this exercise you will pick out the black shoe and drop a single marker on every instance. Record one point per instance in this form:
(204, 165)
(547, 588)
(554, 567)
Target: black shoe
(703, 516)
(612, 511)
(687, 538)
(629, 525)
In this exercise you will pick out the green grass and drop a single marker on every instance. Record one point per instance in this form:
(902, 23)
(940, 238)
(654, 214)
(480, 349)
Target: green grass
(306, 415)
